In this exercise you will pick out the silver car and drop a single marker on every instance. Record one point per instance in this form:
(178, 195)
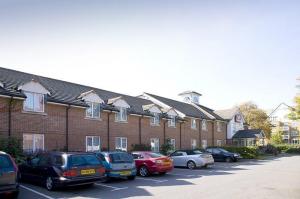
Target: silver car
(191, 158)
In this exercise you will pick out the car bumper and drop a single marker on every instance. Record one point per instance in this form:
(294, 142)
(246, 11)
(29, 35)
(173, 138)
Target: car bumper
(206, 162)
(121, 173)
(9, 188)
(63, 182)
(160, 169)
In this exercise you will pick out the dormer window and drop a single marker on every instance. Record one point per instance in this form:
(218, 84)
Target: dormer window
(172, 121)
(93, 111)
(155, 119)
(121, 116)
(193, 124)
(204, 125)
(34, 102)
(219, 127)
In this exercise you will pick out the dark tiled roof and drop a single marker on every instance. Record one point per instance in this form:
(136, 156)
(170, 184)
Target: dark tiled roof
(211, 112)
(249, 133)
(185, 108)
(227, 114)
(64, 92)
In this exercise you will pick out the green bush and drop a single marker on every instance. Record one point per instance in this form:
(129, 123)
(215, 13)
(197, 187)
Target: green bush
(245, 152)
(166, 148)
(269, 149)
(141, 147)
(13, 147)
(294, 149)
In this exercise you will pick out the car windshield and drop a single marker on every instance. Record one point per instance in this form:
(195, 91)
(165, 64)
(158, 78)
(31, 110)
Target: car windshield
(84, 160)
(121, 158)
(198, 151)
(223, 150)
(5, 162)
(155, 155)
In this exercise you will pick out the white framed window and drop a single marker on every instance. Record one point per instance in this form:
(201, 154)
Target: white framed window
(155, 120)
(194, 143)
(33, 142)
(154, 142)
(93, 111)
(121, 143)
(92, 143)
(204, 125)
(219, 142)
(121, 116)
(204, 144)
(34, 102)
(193, 124)
(173, 144)
(172, 121)
(219, 126)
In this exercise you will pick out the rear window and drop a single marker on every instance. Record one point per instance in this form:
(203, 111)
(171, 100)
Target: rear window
(121, 158)
(155, 155)
(84, 160)
(58, 160)
(5, 162)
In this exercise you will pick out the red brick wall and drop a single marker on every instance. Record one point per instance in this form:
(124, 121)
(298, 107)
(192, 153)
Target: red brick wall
(188, 134)
(149, 131)
(4, 104)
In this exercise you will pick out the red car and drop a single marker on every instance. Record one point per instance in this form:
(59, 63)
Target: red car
(149, 162)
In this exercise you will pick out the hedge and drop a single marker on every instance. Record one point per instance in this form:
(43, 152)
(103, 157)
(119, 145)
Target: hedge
(295, 149)
(245, 152)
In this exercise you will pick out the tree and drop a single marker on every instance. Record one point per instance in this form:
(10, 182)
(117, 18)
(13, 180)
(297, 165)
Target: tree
(276, 138)
(295, 112)
(256, 118)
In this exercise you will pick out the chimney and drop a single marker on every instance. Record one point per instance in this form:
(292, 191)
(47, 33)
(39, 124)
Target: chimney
(190, 97)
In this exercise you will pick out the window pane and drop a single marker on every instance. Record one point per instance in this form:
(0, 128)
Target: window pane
(28, 103)
(124, 143)
(96, 141)
(38, 102)
(89, 110)
(96, 110)
(89, 141)
(28, 142)
(118, 143)
(39, 142)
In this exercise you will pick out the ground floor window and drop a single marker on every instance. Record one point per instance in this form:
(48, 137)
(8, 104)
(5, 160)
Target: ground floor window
(295, 141)
(194, 143)
(154, 144)
(219, 142)
(173, 144)
(204, 144)
(251, 142)
(121, 143)
(93, 143)
(33, 142)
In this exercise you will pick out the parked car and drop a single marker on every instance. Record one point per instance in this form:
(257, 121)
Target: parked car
(9, 184)
(59, 169)
(191, 158)
(149, 163)
(118, 164)
(220, 154)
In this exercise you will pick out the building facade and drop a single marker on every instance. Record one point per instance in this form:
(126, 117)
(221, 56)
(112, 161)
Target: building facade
(49, 114)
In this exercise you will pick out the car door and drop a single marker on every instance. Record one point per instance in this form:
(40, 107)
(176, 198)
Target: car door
(178, 158)
(217, 154)
(43, 167)
(28, 169)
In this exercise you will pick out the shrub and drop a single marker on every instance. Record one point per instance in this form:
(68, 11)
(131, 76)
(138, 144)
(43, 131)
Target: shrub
(141, 147)
(269, 149)
(166, 148)
(245, 152)
(13, 147)
(294, 149)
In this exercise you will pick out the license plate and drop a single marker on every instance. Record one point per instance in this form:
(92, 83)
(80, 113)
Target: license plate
(125, 173)
(88, 172)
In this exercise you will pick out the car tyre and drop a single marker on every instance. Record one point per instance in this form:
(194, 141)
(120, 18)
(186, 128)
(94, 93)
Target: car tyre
(131, 177)
(162, 173)
(191, 165)
(228, 159)
(143, 171)
(50, 184)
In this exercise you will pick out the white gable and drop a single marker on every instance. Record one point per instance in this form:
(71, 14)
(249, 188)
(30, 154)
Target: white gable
(34, 86)
(121, 103)
(154, 109)
(172, 112)
(92, 97)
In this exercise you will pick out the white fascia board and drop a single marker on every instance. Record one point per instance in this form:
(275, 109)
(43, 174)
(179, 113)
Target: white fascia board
(209, 115)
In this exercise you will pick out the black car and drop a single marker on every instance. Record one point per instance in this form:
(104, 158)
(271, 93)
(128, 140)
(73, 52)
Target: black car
(220, 155)
(58, 169)
(9, 184)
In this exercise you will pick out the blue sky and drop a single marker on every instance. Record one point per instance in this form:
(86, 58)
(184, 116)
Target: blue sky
(230, 51)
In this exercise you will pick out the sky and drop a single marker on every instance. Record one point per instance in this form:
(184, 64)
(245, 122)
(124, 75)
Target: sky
(230, 51)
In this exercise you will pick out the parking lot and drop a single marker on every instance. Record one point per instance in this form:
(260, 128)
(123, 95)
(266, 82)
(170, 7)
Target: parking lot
(272, 178)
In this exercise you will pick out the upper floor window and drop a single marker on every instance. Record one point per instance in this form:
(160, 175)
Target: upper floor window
(155, 119)
(172, 121)
(93, 111)
(219, 126)
(204, 125)
(121, 116)
(34, 102)
(193, 124)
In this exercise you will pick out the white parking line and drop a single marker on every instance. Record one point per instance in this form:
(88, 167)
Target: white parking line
(36, 192)
(150, 179)
(173, 174)
(113, 188)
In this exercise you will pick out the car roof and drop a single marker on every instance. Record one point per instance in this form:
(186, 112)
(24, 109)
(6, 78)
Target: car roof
(66, 153)
(112, 152)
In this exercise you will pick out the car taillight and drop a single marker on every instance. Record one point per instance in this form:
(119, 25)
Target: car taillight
(101, 170)
(70, 173)
(158, 161)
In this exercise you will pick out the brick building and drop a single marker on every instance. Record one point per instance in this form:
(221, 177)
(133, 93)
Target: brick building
(49, 114)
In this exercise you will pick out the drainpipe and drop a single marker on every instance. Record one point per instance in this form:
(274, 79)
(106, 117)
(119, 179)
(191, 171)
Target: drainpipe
(226, 133)
(9, 116)
(164, 132)
(140, 130)
(180, 135)
(200, 131)
(108, 131)
(67, 127)
(213, 133)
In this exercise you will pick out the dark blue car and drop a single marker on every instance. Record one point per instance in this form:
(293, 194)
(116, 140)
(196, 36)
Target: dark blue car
(221, 155)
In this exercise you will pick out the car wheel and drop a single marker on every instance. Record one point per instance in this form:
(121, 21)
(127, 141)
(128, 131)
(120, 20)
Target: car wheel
(228, 159)
(49, 184)
(143, 171)
(191, 165)
(162, 173)
(131, 177)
